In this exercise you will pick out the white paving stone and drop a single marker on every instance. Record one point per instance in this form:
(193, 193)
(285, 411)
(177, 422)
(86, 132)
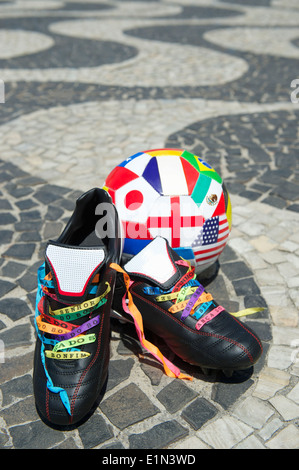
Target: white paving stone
(76, 146)
(15, 43)
(270, 380)
(285, 336)
(270, 428)
(274, 41)
(287, 408)
(251, 442)
(294, 394)
(269, 276)
(288, 438)
(253, 412)
(280, 357)
(84, 123)
(224, 433)
(286, 315)
(190, 443)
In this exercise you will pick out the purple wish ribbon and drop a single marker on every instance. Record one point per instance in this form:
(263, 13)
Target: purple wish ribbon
(192, 300)
(80, 329)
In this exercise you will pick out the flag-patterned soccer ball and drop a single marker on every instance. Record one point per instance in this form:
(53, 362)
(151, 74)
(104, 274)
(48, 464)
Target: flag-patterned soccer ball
(174, 194)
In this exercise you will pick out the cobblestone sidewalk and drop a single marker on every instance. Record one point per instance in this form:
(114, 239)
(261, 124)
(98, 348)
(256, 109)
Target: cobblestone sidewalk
(87, 84)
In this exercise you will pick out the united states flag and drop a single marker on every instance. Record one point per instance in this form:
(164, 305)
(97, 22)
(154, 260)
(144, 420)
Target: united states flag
(212, 239)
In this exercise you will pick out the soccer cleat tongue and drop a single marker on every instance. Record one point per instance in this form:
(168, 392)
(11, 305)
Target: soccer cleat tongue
(157, 263)
(73, 269)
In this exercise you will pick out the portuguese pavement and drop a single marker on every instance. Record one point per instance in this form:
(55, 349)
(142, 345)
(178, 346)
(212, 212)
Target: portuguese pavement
(87, 84)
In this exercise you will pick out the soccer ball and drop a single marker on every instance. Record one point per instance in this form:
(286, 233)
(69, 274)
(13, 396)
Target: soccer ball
(176, 195)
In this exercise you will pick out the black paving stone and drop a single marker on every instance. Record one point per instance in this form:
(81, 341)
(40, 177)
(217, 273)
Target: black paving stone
(69, 443)
(95, 431)
(4, 438)
(159, 436)
(199, 412)
(28, 282)
(67, 51)
(14, 170)
(30, 181)
(35, 435)
(18, 192)
(227, 255)
(16, 388)
(287, 190)
(6, 236)
(262, 329)
(175, 395)
(252, 300)
(113, 446)
(251, 195)
(29, 237)
(7, 218)
(45, 196)
(274, 201)
(26, 204)
(294, 208)
(14, 308)
(268, 170)
(128, 344)
(119, 370)
(246, 286)
(84, 6)
(218, 288)
(5, 287)
(236, 270)
(16, 366)
(30, 215)
(52, 230)
(53, 213)
(122, 410)
(152, 370)
(20, 251)
(5, 205)
(28, 226)
(16, 336)
(20, 412)
(226, 394)
(5, 176)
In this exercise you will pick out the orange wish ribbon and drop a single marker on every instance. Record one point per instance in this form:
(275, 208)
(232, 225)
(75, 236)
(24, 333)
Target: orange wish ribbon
(170, 369)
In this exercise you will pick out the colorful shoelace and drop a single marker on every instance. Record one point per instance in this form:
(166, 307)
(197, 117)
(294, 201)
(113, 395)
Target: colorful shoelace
(130, 308)
(187, 285)
(196, 305)
(186, 296)
(60, 338)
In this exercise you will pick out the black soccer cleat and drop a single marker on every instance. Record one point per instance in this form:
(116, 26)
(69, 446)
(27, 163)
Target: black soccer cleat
(175, 306)
(75, 289)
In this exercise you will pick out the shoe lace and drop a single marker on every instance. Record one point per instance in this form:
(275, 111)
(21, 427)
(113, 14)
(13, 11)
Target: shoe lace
(170, 369)
(187, 285)
(56, 328)
(190, 298)
(187, 295)
(61, 339)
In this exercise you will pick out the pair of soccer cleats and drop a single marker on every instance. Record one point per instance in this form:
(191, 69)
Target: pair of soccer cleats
(81, 284)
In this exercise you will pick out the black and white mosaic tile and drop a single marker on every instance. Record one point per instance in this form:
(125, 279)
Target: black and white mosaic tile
(86, 85)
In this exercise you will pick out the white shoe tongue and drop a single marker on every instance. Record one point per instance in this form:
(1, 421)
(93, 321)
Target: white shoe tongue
(155, 263)
(73, 269)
